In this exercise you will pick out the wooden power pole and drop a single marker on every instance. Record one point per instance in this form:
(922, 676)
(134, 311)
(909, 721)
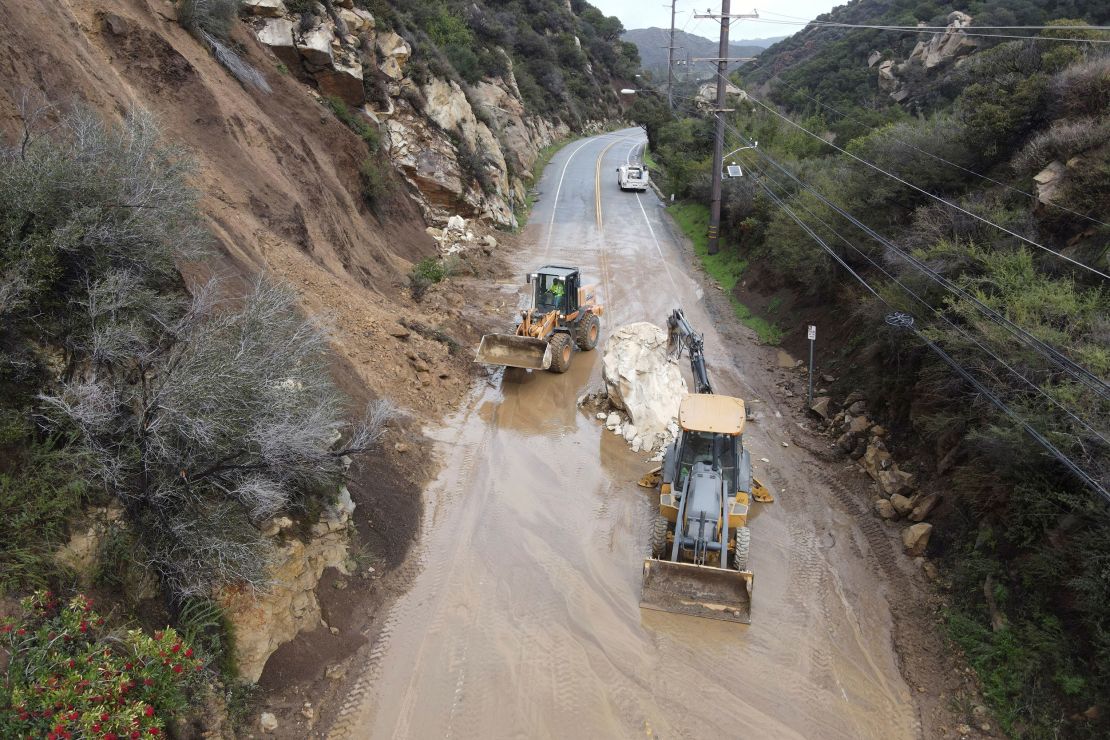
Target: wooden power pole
(670, 62)
(722, 61)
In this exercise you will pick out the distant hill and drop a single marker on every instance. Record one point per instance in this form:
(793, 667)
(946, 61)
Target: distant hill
(652, 44)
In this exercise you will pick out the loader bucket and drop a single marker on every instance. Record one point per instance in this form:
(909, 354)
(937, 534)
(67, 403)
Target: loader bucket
(697, 590)
(514, 351)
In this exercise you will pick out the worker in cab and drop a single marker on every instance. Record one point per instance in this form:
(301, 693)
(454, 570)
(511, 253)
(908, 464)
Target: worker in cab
(555, 293)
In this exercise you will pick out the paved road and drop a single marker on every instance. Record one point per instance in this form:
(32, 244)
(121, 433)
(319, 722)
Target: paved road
(522, 619)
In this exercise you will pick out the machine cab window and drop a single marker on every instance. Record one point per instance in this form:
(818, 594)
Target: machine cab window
(698, 447)
(554, 293)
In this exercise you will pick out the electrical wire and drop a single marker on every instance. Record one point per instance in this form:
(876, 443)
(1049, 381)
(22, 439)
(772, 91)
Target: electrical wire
(936, 157)
(940, 314)
(925, 192)
(1077, 371)
(1073, 466)
(938, 29)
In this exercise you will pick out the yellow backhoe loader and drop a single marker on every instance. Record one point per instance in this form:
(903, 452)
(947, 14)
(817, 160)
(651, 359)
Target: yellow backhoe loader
(699, 545)
(564, 315)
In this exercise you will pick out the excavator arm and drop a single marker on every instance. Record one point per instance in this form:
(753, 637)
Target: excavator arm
(681, 336)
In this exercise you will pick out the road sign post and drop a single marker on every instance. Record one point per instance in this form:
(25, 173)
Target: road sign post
(812, 334)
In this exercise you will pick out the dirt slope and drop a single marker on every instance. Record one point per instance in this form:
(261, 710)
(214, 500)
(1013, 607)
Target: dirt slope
(278, 171)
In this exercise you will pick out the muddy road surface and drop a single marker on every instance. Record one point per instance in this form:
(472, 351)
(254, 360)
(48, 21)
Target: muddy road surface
(522, 618)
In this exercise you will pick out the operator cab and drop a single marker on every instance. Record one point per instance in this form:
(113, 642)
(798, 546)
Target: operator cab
(555, 288)
(705, 447)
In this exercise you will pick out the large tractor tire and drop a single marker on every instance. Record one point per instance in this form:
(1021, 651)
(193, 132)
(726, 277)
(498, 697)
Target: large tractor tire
(659, 538)
(588, 332)
(561, 353)
(740, 554)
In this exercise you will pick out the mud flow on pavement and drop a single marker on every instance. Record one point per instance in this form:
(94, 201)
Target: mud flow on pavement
(522, 619)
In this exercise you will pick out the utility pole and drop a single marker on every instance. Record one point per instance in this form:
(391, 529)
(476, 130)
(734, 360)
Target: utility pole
(719, 140)
(670, 62)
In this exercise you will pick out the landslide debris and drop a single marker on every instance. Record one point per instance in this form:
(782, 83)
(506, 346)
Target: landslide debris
(643, 387)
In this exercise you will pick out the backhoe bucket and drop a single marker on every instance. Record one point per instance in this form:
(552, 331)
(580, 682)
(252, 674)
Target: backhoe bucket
(514, 351)
(697, 590)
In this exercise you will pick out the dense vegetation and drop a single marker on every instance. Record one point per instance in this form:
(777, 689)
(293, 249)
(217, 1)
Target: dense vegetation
(563, 62)
(192, 412)
(1025, 545)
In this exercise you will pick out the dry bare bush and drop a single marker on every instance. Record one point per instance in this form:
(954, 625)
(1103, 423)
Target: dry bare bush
(211, 22)
(206, 423)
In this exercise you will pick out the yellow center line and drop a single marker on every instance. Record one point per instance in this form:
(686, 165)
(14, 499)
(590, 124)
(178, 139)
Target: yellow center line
(597, 180)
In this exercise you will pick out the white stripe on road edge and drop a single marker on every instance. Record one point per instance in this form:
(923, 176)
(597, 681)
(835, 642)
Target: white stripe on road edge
(657, 247)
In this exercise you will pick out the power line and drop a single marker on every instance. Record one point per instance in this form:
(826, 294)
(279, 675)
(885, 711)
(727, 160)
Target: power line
(940, 314)
(1077, 371)
(921, 190)
(936, 157)
(937, 29)
(1075, 468)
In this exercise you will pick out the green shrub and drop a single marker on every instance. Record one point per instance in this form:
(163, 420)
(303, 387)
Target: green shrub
(356, 123)
(374, 178)
(424, 274)
(41, 491)
(69, 675)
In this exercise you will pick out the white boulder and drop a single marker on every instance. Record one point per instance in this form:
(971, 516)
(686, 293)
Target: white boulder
(641, 380)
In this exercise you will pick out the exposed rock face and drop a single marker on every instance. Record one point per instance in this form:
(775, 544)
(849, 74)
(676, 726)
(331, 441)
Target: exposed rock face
(1048, 181)
(395, 52)
(643, 382)
(940, 50)
(706, 96)
(262, 622)
(267, 8)
(464, 152)
(943, 47)
(277, 33)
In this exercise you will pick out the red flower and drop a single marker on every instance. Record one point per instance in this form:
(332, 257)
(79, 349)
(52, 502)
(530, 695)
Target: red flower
(153, 731)
(149, 711)
(148, 682)
(96, 727)
(104, 717)
(177, 668)
(74, 715)
(21, 631)
(176, 648)
(189, 653)
(84, 626)
(72, 663)
(135, 735)
(158, 635)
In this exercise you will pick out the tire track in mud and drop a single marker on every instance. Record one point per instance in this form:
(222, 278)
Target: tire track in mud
(356, 711)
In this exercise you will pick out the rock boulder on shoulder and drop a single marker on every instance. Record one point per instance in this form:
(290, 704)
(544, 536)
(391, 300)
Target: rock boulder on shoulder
(901, 504)
(923, 506)
(885, 509)
(915, 538)
(267, 722)
(820, 406)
